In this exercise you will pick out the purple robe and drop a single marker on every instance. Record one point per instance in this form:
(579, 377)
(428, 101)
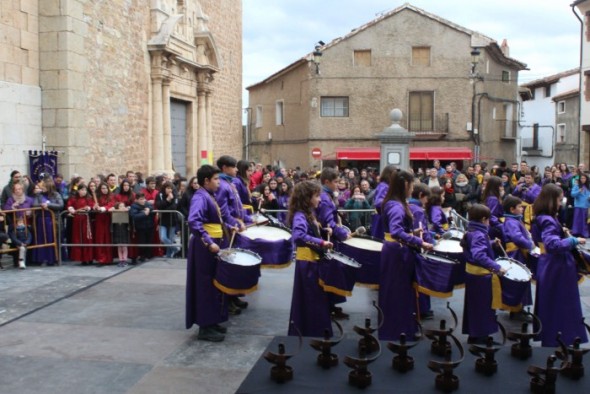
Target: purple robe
(479, 319)
(579, 222)
(28, 203)
(376, 221)
(516, 235)
(205, 304)
(310, 305)
(283, 201)
(528, 195)
(497, 211)
(420, 220)
(229, 203)
(44, 226)
(327, 214)
(243, 193)
(438, 220)
(397, 296)
(557, 302)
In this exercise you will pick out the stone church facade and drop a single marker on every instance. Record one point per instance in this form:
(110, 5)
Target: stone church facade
(152, 86)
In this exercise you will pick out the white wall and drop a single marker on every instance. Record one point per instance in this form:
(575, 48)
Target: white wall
(541, 110)
(20, 127)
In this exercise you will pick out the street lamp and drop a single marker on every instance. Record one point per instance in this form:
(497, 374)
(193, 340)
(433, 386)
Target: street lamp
(317, 58)
(474, 77)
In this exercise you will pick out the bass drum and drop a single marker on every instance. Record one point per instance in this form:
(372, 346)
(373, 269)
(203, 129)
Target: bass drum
(237, 271)
(367, 251)
(272, 242)
(338, 273)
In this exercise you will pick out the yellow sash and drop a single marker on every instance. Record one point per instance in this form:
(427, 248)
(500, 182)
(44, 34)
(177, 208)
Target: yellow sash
(248, 207)
(213, 229)
(306, 254)
(496, 287)
(389, 238)
(445, 226)
(527, 215)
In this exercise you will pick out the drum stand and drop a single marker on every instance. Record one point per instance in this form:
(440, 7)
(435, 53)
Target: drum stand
(281, 372)
(445, 380)
(402, 362)
(546, 384)
(326, 359)
(575, 369)
(487, 363)
(523, 349)
(366, 342)
(440, 346)
(360, 376)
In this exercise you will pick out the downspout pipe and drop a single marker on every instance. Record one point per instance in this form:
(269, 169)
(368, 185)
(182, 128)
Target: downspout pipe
(573, 5)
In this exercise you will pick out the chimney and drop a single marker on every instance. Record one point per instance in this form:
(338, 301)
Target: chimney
(505, 48)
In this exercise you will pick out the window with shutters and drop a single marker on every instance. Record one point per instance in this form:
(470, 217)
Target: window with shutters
(421, 111)
(362, 58)
(421, 56)
(259, 116)
(279, 113)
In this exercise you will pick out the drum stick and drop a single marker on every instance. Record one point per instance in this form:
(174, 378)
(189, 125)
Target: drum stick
(257, 224)
(501, 247)
(233, 235)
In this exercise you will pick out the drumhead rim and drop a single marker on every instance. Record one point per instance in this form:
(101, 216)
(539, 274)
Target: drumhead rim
(334, 255)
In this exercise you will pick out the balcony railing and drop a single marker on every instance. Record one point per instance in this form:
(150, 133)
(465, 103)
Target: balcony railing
(437, 127)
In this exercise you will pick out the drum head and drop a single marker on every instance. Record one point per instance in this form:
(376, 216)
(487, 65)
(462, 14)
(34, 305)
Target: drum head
(514, 270)
(448, 246)
(439, 259)
(365, 243)
(238, 256)
(258, 218)
(267, 233)
(456, 234)
(332, 255)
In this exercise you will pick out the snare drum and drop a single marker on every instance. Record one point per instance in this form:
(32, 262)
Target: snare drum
(456, 234)
(271, 242)
(367, 251)
(237, 271)
(338, 273)
(515, 282)
(451, 248)
(435, 274)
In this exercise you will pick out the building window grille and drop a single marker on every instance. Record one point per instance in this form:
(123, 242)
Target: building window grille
(561, 133)
(506, 76)
(334, 107)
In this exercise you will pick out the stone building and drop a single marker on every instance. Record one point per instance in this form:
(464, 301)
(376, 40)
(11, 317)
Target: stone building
(406, 58)
(114, 85)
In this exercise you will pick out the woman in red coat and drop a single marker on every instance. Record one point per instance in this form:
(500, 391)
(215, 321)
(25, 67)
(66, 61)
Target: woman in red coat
(79, 205)
(102, 225)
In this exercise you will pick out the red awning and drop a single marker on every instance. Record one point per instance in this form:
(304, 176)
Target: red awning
(440, 153)
(416, 153)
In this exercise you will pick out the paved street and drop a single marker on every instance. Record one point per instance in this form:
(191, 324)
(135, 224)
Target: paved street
(73, 329)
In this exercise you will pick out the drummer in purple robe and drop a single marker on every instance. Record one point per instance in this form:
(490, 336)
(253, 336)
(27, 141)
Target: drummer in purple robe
(492, 198)
(436, 216)
(327, 214)
(397, 296)
(206, 306)
(557, 301)
(379, 195)
(518, 240)
(229, 202)
(242, 185)
(482, 277)
(310, 305)
(527, 191)
(420, 196)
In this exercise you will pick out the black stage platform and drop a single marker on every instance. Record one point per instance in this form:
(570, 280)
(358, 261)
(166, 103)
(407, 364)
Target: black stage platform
(308, 377)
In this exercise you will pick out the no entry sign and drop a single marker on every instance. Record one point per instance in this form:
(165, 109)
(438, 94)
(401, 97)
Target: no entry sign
(316, 153)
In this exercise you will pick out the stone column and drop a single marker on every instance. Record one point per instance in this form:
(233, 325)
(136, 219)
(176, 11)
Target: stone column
(209, 121)
(202, 121)
(166, 122)
(395, 143)
(157, 125)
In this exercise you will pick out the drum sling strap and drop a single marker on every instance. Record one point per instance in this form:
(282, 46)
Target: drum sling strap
(496, 287)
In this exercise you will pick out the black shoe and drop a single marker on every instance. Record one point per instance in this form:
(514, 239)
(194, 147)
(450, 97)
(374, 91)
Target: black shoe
(233, 310)
(210, 334)
(219, 328)
(427, 315)
(83, 264)
(240, 303)
(339, 315)
(520, 316)
(477, 340)
(133, 262)
(141, 260)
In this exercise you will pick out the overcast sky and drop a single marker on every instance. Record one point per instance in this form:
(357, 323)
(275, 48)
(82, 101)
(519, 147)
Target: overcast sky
(544, 34)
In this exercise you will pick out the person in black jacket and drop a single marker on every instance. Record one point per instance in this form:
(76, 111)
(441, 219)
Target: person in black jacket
(167, 200)
(143, 215)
